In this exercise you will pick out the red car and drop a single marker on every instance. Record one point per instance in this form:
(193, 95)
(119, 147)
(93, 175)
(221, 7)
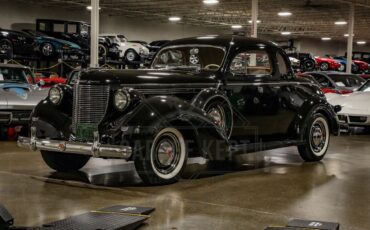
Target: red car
(363, 67)
(326, 64)
(49, 79)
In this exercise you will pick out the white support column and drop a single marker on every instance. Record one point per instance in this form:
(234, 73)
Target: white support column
(351, 24)
(254, 18)
(94, 45)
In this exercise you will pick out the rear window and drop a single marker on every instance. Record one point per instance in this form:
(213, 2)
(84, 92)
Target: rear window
(347, 80)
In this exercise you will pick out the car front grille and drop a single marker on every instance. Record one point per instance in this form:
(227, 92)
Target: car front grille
(90, 104)
(358, 119)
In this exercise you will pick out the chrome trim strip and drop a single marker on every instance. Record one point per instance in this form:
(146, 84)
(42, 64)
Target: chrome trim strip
(95, 149)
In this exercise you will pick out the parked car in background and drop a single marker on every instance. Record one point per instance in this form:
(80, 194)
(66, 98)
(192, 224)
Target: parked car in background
(355, 107)
(343, 62)
(212, 97)
(326, 64)
(49, 79)
(130, 51)
(338, 82)
(19, 94)
(77, 32)
(296, 63)
(361, 56)
(308, 63)
(16, 44)
(49, 47)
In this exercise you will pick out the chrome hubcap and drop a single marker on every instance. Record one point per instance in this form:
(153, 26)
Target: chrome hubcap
(217, 114)
(324, 66)
(167, 153)
(4, 48)
(130, 56)
(47, 50)
(318, 136)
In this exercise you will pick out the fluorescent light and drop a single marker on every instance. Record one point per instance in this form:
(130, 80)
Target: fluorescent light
(347, 35)
(326, 39)
(340, 23)
(361, 42)
(285, 14)
(236, 26)
(286, 33)
(250, 21)
(174, 19)
(90, 8)
(211, 2)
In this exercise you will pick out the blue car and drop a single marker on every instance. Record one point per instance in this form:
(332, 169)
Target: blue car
(343, 62)
(49, 47)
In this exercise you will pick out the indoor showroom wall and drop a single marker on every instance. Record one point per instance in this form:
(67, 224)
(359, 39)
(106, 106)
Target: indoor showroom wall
(22, 16)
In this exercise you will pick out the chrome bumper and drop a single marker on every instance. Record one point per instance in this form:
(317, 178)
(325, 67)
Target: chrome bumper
(94, 149)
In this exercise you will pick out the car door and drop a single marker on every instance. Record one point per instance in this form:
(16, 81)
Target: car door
(254, 89)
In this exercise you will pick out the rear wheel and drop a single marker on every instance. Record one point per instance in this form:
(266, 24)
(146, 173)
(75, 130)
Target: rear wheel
(64, 162)
(308, 65)
(165, 160)
(103, 51)
(317, 136)
(131, 56)
(47, 50)
(6, 48)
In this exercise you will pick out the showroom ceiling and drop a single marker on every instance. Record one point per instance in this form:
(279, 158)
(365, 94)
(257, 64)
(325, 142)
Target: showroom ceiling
(311, 18)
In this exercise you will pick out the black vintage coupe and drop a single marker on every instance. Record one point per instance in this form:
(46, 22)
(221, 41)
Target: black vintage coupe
(16, 44)
(211, 96)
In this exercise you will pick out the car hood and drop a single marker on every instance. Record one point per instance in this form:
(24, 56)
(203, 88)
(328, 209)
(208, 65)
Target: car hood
(156, 78)
(354, 103)
(20, 96)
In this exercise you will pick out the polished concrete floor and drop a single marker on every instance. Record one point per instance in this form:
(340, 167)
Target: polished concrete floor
(256, 191)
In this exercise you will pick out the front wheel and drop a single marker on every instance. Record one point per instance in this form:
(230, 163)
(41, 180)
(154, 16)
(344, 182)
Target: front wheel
(64, 162)
(317, 136)
(165, 160)
(47, 50)
(131, 56)
(324, 66)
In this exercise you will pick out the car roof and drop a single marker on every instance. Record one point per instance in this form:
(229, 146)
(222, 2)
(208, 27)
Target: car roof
(220, 40)
(59, 20)
(14, 66)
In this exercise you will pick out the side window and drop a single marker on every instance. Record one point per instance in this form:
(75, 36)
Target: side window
(283, 67)
(253, 62)
(324, 82)
(58, 27)
(42, 26)
(71, 28)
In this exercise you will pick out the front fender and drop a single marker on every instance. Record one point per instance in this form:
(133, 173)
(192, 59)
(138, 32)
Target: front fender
(159, 112)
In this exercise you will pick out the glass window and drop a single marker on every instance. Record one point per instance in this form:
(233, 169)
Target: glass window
(324, 82)
(58, 27)
(190, 57)
(283, 68)
(251, 63)
(18, 75)
(72, 28)
(42, 26)
(347, 80)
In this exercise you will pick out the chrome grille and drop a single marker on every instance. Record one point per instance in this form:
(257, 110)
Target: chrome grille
(90, 103)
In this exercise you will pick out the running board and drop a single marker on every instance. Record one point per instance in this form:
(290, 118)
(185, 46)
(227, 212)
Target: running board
(259, 147)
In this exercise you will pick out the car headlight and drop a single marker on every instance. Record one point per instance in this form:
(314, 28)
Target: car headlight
(55, 95)
(121, 100)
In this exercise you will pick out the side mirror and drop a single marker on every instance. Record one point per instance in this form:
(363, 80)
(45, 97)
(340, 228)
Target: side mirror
(41, 83)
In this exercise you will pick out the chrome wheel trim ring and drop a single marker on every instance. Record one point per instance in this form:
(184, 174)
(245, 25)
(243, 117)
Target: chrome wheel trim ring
(319, 136)
(168, 142)
(130, 56)
(5, 47)
(324, 66)
(47, 49)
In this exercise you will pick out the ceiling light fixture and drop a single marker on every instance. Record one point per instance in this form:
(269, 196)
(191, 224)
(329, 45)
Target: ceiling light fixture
(250, 21)
(174, 19)
(361, 42)
(326, 39)
(236, 26)
(90, 8)
(211, 2)
(347, 35)
(340, 23)
(286, 33)
(285, 14)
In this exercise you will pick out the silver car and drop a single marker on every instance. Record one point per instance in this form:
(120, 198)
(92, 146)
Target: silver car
(19, 94)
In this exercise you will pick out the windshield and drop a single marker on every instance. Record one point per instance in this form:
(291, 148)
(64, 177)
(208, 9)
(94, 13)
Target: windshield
(365, 87)
(122, 38)
(114, 39)
(190, 57)
(18, 75)
(351, 81)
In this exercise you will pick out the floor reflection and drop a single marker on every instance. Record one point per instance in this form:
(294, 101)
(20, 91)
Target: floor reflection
(118, 173)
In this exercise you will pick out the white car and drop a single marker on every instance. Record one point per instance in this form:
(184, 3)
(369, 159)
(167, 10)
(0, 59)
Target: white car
(130, 51)
(355, 107)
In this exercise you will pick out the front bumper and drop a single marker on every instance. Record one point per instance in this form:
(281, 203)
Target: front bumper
(354, 120)
(94, 149)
